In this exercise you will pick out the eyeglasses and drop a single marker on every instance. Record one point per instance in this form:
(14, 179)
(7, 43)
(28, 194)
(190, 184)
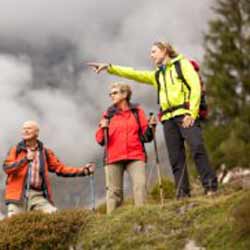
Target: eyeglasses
(113, 93)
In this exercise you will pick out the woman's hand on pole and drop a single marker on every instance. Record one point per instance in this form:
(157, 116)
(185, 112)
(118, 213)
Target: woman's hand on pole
(98, 67)
(152, 121)
(104, 123)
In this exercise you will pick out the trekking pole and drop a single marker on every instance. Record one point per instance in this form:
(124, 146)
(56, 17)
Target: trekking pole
(149, 177)
(92, 190)
(106, 139)
(27, 189)
(179, 184)
(157, 160)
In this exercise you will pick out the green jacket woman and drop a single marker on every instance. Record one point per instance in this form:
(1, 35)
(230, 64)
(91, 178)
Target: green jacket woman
(172, 91)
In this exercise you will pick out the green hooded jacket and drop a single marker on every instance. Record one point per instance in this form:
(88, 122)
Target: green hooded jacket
(173, 92)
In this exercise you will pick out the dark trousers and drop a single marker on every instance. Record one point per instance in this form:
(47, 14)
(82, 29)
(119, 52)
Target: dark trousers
(175, 136)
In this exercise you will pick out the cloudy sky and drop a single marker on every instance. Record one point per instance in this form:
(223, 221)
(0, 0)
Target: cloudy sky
(43, 47)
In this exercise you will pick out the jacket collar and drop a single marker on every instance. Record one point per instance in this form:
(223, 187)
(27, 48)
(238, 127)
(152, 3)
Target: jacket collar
(22, 146)
(177, 58)
(171, 62)
(133, 106)
(112, 110)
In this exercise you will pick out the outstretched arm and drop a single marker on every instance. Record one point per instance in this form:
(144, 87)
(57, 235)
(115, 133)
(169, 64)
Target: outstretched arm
(66, 171)
(98, 67)
(147, 77)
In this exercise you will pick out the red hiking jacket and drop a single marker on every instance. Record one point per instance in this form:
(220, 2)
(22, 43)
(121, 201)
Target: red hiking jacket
(124, 142)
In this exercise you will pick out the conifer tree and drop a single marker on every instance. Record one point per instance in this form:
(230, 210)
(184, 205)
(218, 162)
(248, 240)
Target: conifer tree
(227, 74)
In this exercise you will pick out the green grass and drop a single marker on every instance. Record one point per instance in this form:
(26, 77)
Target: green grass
(215, 223)
(208, 221)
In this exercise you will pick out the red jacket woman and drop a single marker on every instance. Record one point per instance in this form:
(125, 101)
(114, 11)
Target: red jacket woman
(128, 130)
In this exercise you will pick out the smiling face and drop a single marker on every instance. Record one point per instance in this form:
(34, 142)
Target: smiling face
(30, 130)
(158, 55)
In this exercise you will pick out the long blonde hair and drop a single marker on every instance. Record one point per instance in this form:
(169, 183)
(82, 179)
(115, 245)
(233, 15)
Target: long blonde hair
(166, 46)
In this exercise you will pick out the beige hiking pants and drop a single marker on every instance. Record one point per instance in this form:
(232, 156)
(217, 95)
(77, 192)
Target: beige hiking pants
(114, 182)
(36, 202)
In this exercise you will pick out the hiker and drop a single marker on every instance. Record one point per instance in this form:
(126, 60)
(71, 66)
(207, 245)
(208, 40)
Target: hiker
(128, 130)
(179, 99)
(27, 167)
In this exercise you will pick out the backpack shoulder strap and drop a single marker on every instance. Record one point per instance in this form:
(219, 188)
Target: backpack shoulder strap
(179, 72)
(111, 111)
(157, 76)
(46, 153)
(135, 113)
(18, 150)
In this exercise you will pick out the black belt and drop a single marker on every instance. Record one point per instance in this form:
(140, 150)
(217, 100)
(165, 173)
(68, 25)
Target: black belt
(173, 108)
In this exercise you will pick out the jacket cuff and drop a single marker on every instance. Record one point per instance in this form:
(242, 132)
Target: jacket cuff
(193, 115)
(110, 69)
(148, 135)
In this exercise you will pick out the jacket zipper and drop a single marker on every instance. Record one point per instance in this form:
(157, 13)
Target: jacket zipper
(44, 177)
(171, 76)
(166, 91)
(127, 137)
(24, 185)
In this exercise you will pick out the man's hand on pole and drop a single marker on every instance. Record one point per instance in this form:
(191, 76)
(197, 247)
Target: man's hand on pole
(98, 67)
(89, 168)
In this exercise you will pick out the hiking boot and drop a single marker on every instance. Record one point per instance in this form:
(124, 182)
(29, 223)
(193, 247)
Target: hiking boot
(211, 193)
(183, 195)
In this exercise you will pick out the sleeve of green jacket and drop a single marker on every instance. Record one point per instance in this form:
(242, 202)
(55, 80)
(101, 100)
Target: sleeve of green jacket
(193, 81)
(147, 77)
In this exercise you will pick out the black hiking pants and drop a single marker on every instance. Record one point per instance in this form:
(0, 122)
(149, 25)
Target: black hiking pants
(175, 136)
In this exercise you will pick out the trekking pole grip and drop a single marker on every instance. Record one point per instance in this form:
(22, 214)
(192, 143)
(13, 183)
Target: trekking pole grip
(151, 114)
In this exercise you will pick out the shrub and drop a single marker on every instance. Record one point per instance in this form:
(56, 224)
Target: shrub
(241, 214)
(101, 209)
(39, 231)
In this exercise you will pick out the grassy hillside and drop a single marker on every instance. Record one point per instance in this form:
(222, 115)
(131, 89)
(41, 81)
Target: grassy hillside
(210, 222)
(221, 222)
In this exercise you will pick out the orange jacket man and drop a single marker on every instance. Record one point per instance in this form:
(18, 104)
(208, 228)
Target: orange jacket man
(27, 166)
